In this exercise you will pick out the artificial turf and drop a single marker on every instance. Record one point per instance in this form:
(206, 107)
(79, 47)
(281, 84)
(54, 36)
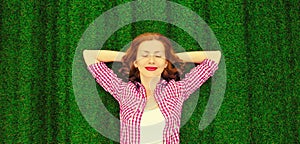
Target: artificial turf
(260, 47)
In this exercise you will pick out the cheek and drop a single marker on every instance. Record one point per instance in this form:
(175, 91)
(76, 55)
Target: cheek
(162, 63)
(141, 63)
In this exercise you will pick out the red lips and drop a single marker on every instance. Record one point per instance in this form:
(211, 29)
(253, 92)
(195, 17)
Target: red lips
(151, 68)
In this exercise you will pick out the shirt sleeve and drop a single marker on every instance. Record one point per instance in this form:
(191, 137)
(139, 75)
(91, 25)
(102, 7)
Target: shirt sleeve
(107, 79)
(196, 77)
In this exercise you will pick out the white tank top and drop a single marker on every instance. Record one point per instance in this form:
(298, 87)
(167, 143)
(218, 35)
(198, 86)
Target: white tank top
(152, 127)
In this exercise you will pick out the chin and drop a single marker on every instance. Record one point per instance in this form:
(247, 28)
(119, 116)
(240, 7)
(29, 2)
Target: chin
(152, 75)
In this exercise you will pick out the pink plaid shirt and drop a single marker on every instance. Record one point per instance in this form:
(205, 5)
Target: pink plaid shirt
(169, 95)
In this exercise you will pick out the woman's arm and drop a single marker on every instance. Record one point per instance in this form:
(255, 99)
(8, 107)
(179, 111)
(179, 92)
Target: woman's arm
(199, 56)
(93, 56)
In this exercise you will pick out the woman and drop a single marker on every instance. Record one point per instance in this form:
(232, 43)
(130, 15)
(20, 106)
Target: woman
(154, 94)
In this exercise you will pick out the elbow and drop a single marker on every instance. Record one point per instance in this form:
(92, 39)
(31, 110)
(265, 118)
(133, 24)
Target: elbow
(215, 56)
(84, 54)
(218, 56)
(85, 57)
(89, 57)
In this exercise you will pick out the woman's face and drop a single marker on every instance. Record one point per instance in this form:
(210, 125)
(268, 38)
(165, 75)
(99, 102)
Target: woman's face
(151, 58)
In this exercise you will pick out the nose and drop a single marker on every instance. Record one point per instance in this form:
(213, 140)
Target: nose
(151, 59)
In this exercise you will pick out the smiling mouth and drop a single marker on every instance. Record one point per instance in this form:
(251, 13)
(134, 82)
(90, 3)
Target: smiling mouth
(151, 68)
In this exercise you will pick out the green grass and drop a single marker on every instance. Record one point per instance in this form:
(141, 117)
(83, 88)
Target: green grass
(259, 41)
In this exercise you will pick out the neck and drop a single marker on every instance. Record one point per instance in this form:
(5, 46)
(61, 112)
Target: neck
(149, 82)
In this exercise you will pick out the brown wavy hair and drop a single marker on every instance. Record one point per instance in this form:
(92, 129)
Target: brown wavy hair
(173, 69)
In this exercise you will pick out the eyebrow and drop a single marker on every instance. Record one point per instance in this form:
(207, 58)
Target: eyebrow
(154, 52)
